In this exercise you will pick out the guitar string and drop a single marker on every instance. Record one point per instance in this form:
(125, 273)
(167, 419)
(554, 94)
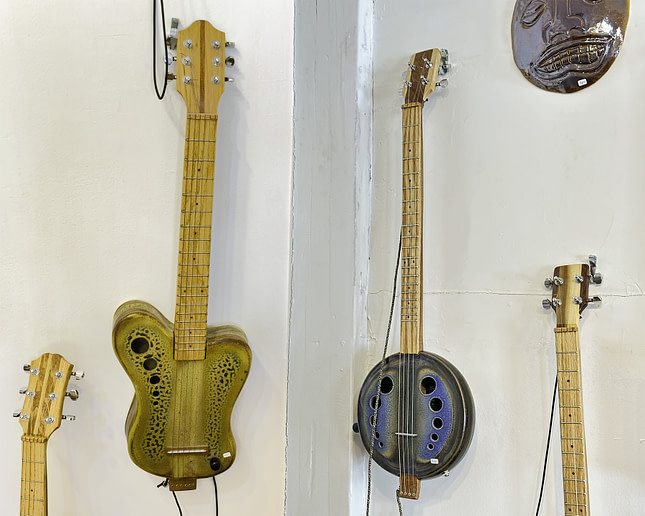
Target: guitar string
(408, 468)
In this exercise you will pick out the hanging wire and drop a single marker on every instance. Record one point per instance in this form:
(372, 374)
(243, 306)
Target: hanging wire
(378, 391)
(165, 484)
(154, 48)
(216, 498)
(548, 441)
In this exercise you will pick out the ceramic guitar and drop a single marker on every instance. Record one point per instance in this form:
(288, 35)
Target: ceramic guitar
(415, 411)
(187, 375)
(570, 296)
(40, 417)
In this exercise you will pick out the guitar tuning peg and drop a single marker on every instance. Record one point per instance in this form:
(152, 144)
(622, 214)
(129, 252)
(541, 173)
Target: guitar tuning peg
(230, 44)
(229, 79)
(445, 62)
(171, 40)
(23, 390)
(27, 368)
(594, 299)
(16, 413)
(596, 277)
(78, 374)
(443, 83)
(68, 418)
(73, 394)
(229, 61)
(546, 304)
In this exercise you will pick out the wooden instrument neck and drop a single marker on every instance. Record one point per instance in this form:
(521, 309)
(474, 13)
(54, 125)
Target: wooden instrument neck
(572, 430)
(195, 237)
(412, 229)
(33, 481)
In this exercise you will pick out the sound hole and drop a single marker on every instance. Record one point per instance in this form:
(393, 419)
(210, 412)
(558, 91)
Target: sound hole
(387, 385)
(436, 404)
(140, 345)
(430, 446)
(434, 437)
(149, 364)
(373, 402)
(428, 385)
(155, 379)
(437, 423)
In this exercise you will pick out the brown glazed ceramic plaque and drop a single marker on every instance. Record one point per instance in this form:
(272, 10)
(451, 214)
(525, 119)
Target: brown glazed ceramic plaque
(567, 45)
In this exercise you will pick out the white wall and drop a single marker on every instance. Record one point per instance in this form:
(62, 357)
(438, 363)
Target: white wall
(91, 167)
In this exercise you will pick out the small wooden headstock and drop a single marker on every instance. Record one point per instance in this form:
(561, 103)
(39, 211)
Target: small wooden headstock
(423, 70)
(42, 410)
(570, 291)
(201, 60)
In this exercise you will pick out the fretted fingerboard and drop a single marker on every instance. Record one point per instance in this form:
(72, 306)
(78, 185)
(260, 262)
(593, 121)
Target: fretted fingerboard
(411, 280)
(412, 230)
(33, 481)
(572, 430)
(195, 238)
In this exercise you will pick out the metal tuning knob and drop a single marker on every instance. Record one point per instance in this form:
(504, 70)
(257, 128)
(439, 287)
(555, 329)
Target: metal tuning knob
(596, 277)
(171, 40)
(78, 374)
(68, 417)
(73, 394)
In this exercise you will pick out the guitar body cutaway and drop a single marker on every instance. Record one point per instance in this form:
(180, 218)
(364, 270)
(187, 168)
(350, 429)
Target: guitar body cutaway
(178, 426)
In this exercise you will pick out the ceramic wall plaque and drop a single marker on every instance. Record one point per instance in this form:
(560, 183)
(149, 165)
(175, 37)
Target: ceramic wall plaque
(567, 45)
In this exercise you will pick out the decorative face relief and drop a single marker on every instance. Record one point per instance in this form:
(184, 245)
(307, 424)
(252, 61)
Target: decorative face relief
(567, 45)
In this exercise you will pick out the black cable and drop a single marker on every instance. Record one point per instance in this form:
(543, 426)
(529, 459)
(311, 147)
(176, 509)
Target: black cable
(177, 502)
(165, 484)
(216, 502)
(154, 48)
(548, 443)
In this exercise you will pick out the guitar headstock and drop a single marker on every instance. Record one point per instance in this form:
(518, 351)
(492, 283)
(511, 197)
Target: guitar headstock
(201, 59)
(42, 410)
(423, 70)
(570, 291)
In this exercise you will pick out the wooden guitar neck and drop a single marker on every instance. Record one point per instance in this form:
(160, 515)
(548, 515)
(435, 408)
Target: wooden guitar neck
(195, 237)
(33, 479)
(572, 427)
(412, 229)
(40, 416)
(570, 296)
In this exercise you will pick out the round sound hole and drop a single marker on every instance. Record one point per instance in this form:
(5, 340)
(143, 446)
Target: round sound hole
(149, 364)
(373, 402)
(437, 423)
(139, 345)
(428, 385)
(434, 437)
(436, 404)
(387, 385)
(430, 446)
(155, 379)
